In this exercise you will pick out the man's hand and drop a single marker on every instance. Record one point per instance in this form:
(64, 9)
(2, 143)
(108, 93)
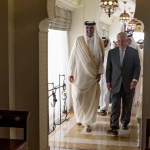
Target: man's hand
(98, 77)
(133, 84)
(109, 86)
(71, 79)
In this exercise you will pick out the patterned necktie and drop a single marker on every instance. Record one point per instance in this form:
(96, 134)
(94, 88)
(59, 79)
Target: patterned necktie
(121, 56)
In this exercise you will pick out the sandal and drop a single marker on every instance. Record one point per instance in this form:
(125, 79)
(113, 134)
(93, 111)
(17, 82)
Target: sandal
(79, 123)
(88, 128)
(103, 113)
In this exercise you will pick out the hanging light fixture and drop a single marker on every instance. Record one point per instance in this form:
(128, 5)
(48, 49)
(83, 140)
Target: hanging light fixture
(124, 17)
(109, 6)
(132, 23)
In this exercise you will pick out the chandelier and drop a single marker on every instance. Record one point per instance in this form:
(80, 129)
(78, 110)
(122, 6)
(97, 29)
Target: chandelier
(139, 26)
(124, 17)
(132, 23)
(109, 6)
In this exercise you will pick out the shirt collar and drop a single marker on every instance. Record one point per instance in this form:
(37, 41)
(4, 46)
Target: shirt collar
(122, 49)
(92, 38)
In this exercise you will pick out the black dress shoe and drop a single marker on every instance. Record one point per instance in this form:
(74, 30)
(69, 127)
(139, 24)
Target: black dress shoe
(124, 127)
(112, 131)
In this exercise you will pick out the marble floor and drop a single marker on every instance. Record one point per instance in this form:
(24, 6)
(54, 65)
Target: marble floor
(69, 136)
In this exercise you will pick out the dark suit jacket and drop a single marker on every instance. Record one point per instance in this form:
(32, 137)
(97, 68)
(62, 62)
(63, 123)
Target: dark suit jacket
(117, 74)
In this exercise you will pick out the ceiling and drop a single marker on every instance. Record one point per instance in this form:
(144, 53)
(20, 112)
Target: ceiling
(75, 4)
(69, 4)
(129, 7)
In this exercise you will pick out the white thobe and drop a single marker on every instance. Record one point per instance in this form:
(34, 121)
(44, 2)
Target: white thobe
(139, 88)
(105, 93)
(85, 88)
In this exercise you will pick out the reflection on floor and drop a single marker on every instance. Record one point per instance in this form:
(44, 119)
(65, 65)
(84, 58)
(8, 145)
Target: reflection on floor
(69, 136)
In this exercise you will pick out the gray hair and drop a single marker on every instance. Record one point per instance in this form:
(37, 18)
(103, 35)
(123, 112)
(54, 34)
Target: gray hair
(122, 34)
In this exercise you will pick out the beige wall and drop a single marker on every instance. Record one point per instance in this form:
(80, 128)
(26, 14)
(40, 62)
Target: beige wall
(4, 59)
(4, 72)
(142, 9)
(88, 11)
(19, 28)
(115, 28)
(28, 15)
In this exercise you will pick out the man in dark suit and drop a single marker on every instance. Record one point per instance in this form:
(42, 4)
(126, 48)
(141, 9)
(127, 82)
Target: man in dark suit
(122, 74)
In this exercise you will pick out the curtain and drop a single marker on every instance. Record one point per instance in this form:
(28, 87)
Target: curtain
(57, 54)
(57, 65)
(59, 23)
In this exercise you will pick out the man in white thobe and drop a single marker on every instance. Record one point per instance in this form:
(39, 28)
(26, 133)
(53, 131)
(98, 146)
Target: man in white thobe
(131, 42)
(139, 87)
(105, 93)
(85, 69)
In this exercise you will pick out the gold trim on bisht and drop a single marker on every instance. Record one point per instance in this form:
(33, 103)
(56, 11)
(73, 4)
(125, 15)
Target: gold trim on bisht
(88, 50)
(102, 48)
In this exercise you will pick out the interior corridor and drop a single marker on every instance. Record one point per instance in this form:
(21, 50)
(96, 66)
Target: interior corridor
(69, 136)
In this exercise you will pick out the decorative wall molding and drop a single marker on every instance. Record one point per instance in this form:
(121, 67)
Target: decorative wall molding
(43, 88)
(69, 4)
(44, 25)
(51, 8)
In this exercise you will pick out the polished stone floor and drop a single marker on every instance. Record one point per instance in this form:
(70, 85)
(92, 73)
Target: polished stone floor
(69, 136)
